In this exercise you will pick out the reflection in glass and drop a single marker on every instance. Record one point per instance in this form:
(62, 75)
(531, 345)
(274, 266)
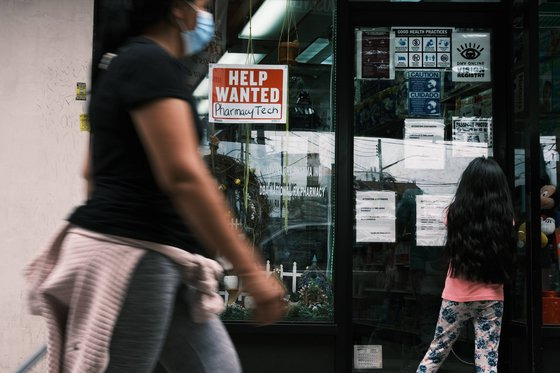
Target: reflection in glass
(549, 110)
(278, 178)
(408, 156)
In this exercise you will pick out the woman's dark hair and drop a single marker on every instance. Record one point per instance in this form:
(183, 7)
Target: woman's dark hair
(480, 225)
(118, 20)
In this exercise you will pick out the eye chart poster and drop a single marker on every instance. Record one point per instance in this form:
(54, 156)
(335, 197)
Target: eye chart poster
(471, 57)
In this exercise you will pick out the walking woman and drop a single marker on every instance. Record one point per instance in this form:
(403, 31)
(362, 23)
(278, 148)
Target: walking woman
(128, 285)
(479, 248)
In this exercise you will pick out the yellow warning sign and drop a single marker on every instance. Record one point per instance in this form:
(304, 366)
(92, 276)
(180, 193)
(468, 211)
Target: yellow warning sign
(84, 123)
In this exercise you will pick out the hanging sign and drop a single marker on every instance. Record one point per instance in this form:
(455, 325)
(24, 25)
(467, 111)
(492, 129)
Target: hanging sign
(375, 216)
(424, 92)
(422, 47)
(248, 93)
(430, 218)
(471, 57)
(374, 55)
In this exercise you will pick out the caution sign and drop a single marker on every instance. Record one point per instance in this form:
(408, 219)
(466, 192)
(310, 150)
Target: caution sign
(471, 57)
(248, 93)
(424, 92)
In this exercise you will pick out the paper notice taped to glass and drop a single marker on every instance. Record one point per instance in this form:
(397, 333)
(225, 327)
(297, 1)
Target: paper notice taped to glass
(375, 216)
(368, 357)
(424, 147)
(430, 219)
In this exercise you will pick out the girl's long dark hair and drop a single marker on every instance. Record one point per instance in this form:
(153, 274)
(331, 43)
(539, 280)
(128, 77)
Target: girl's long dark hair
(480, 225)
(118, 20)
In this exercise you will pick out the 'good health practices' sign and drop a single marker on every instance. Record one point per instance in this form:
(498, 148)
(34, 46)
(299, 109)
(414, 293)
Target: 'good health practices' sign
(248, 93)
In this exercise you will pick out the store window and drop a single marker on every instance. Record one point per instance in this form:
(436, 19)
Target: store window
(274, 158)
(423, 110)
(430, 1)
(549, 124)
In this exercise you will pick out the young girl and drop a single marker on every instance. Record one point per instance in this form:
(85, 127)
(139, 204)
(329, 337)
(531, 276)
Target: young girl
(479, 248)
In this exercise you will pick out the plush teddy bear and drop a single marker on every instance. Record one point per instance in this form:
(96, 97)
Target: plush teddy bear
(522, 237)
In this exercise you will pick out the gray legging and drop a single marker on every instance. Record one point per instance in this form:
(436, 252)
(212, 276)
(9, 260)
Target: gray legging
(154, 331)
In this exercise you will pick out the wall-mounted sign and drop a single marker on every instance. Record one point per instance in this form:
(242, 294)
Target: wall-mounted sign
(471, 57)
(84, 123)
(374, 55)
(422, 47)
(424, 92)
(81, 91)
(248, 93)
(375, 216)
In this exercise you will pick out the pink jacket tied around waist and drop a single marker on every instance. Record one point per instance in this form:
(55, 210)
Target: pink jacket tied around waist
(80, 290)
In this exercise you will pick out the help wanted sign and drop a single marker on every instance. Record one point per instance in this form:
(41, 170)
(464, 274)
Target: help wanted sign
(248, 93)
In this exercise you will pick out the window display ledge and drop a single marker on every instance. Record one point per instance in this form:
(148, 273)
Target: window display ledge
(549, 330)
(282, 328)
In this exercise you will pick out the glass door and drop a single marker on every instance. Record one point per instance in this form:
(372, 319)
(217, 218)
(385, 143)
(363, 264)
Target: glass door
(423, 109)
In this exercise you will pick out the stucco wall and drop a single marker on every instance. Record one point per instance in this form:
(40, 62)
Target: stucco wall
(45, 49)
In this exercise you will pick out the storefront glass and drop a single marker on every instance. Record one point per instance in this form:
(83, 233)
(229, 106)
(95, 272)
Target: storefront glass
(430, 1)
(278, 175)
(422, 111)
(549, 124)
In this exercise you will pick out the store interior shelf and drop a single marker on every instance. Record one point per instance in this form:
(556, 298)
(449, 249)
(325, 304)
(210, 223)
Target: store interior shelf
(466, 90)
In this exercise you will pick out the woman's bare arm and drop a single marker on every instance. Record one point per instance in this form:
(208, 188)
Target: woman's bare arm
(168, 133)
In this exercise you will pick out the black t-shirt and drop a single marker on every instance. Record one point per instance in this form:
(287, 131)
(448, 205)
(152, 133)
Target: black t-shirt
(126, 200)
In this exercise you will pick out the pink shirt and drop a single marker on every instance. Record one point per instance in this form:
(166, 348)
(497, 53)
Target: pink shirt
(461, 290)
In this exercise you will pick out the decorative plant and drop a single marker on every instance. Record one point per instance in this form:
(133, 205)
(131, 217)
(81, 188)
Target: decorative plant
(235, 312)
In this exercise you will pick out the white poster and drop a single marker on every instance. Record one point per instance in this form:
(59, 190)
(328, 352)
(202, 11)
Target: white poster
(424, 147)
(471, 57)
(430, 217)
(368, 357)
(472, 136)
(375, 216)
(431, 130)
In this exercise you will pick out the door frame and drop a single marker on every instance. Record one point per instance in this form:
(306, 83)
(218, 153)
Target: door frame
(352, 14)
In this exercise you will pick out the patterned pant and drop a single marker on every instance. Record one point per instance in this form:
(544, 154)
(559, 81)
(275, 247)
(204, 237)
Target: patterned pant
(487, 320)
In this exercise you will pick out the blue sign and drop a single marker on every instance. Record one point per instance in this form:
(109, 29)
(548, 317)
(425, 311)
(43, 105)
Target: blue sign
(424, 93)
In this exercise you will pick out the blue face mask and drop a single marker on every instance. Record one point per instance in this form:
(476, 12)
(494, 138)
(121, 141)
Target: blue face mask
(194, 41)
